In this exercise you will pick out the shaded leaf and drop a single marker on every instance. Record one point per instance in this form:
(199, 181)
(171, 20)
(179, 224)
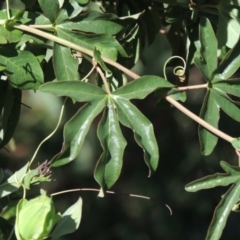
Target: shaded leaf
(109, 165)
(131, 117)
(209, 113)
(79, 91)
(6, 229)
(208, 50)
(11, 113)
(50, 9)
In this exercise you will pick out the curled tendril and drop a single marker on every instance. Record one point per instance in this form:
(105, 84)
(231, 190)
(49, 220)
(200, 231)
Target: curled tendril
(177, 71)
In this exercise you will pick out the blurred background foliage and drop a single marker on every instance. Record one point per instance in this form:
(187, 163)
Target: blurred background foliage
(120, 217)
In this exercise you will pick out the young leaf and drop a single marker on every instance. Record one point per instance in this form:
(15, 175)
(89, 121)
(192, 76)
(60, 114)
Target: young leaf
(79, 91)
(69, 222)
(131, 117)
(210, 113)
(222, 212)
(65, 66)
(141, 87)
(13, 183)
(208, 50)
(76, 130)
(109, 165)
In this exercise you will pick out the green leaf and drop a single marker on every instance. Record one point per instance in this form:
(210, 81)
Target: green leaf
(218, 179)
(50, 9)
(23, 70)
(141, 87)
(69, 222)
(209, 113)
(109, 165)
(230, 63)
(11, 113)
(226, 105)
(95, 22)
(11, 36)
(131, 117)
(231, 87)
(208, 50)
(229, 21)
(76, 130)
(83, 1)
(65, 66)
(13, 183)
(229, 168)
(107, 45)
(79, 91)
(236, 143)
(222, 212)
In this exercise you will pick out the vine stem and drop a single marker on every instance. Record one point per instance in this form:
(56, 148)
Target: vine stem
(193, 87)
(127, 72)
(99, 70)
(112, 192)
(199, 120)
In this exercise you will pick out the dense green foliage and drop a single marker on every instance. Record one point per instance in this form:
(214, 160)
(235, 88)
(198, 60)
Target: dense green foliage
(83, 51)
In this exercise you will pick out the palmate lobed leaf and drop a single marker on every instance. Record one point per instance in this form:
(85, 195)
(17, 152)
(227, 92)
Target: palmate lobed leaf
(230, 87)
(109, 165)
(131, 117)
(76, 130)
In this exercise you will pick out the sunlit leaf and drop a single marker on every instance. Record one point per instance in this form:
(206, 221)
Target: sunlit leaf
(141, 87)
(109, 165)
(69, 221)
(131, 117)
(76, 130)
(79, 91)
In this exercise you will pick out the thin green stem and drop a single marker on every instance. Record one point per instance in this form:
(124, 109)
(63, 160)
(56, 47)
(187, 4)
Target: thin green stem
(8, 9)
(50, 135)
(193, 87)
(199, 120)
